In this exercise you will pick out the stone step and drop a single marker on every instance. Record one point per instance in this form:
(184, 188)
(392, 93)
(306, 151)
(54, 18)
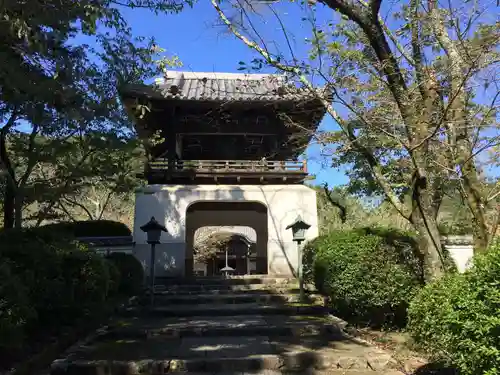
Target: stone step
(308, 372)
(202, 288)
(231, 280)
(238, 289)
(227, 310)
(299, 363)
(231, 298)
(237, 326)
(217, 354)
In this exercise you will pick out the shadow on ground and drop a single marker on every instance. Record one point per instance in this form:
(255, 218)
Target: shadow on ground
(435, 369)
(199, 329)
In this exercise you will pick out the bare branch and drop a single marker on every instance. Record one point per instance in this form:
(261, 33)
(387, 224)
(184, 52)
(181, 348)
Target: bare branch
(78, 204)
(334, 202)
(105, 204)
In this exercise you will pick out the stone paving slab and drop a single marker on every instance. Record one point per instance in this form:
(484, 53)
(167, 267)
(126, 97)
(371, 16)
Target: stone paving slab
(288, 351)
(147, 323)
(228, 310)
(185, 348)
(220, 326)
(230, 298)
(237, 321)
(231, 280)
(198, 288)
(299, 362)
(302, 372)
(225, 291)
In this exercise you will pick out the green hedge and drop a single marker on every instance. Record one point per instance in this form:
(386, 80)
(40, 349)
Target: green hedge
(91, 228)
(369, 275)
(131, 272)
(48, 281)
(36, 256)
(457, 319)
(87, 284)
(114, 278)
(15, 309)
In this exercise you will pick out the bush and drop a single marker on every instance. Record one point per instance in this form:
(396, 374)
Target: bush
(64, 279)
(368, 276)
(87, 284)
(15, 310)
(131, 273)
(91, 228)
(49, 281)
(114, 277)
(35, 256)
(456, 319)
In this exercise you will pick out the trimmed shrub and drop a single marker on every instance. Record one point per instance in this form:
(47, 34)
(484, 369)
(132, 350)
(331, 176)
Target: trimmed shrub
(87, 284)
(48, 281)
(114, 278)
(457, 318)
(15, 310)
(131, 273)
(91, 228)
(35, 256)
(367, 278)
(64, 280)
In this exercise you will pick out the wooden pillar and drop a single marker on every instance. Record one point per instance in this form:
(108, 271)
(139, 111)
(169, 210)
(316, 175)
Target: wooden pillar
(170, 135)
(261, 259)
(188, 252)
(241, 265)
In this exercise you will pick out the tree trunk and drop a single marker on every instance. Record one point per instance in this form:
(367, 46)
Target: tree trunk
(471, 190)
(458, 127)
(9, 203)
(423, 219)
(10, 181)
(18, 209)
(429, 243)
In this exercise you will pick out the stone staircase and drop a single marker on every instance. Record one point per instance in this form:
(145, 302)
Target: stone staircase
(241, 325)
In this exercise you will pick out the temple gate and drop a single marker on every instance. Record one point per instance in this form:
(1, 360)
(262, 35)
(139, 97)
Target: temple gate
(223, 151)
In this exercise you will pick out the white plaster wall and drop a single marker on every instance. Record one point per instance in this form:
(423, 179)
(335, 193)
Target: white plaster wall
(168, 204)
(462, 255)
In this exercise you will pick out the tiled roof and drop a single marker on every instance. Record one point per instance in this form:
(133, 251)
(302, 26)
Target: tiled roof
(220, 87)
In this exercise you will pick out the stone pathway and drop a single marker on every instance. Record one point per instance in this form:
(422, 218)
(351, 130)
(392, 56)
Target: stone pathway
(247, 325)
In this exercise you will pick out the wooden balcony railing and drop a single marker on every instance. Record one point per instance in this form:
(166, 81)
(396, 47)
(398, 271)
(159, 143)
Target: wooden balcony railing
(230, 166)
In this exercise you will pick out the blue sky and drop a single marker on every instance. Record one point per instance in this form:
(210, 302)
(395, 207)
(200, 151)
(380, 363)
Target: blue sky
(203, 44)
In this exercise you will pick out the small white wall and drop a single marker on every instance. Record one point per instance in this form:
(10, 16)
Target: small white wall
(168, 204)
(462, 255)
(460, 249)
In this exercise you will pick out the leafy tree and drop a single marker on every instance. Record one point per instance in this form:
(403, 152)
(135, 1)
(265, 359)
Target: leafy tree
(210, 243)
(406, 81)
(62, 89)
(82, 178)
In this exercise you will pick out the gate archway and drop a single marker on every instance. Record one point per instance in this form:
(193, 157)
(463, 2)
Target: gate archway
(217, 213)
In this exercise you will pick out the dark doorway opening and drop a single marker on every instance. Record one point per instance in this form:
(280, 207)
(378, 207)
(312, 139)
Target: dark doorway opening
(216, 248)
(217, 213)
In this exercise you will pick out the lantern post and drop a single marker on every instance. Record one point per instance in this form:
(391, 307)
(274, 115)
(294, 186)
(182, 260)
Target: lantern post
(153, 231)
(299, 228)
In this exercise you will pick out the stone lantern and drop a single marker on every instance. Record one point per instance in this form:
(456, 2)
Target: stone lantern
(153, 231)
(299, 228)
